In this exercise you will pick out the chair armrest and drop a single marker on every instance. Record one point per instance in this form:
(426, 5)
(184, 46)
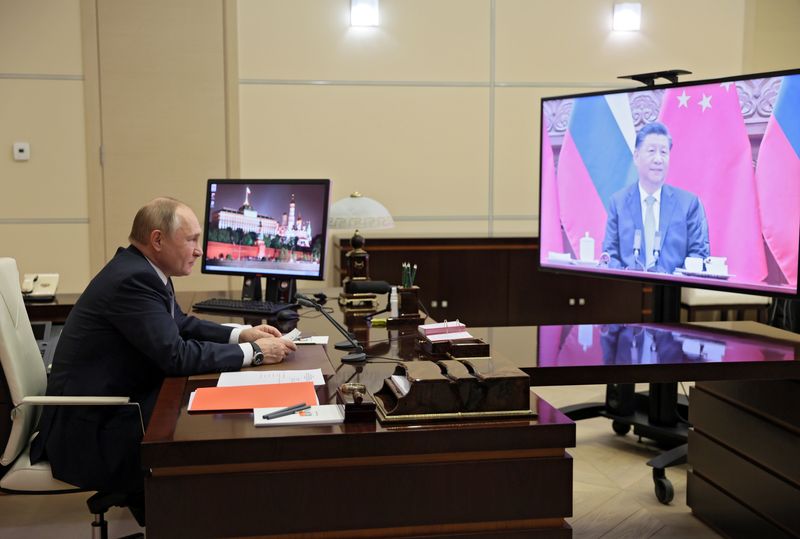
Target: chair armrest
(46, 400)
(73, 401)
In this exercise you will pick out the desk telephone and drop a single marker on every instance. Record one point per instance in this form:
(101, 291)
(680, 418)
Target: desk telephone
(39, 286)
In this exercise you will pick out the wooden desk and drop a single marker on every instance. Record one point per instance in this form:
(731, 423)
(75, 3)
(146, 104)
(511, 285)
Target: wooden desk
(218, 475)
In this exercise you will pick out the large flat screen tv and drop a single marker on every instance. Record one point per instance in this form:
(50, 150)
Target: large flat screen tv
(694, 183)
(270, 228)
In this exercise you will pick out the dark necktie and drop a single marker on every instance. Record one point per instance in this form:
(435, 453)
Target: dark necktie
(171, 292)
(649, 230)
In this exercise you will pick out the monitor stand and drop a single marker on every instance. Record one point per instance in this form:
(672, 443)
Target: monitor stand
(281, 289)
(658, 415)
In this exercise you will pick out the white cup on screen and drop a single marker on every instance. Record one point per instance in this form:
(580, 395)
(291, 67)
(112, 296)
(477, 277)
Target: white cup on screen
(716, 264)
(716, 260)
(693, 264)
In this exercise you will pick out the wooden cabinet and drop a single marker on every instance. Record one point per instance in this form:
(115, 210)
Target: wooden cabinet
(745, 478)
(497, 282)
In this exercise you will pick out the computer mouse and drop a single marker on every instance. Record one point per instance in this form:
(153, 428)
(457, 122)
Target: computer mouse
(286, 315)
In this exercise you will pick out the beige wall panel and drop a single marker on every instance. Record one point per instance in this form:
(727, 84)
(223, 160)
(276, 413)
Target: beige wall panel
(163, 110)
(40, 36)
(773, 38)
(420, 151)
(516, 228)
(572, 40)
(49, 116)
(516, 152)
(416, 40)
(62, 249)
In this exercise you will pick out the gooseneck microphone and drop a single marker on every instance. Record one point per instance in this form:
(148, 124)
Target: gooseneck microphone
(357, 355)
(637, 248)
(656, 247)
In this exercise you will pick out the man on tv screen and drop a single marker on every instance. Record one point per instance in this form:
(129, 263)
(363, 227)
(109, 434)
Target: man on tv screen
(652, 226)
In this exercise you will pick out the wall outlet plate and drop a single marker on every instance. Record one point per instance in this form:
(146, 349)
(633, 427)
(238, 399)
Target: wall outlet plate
(22, 151)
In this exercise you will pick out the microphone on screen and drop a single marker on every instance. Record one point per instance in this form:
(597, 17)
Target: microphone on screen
(656, 247)
(637, 248)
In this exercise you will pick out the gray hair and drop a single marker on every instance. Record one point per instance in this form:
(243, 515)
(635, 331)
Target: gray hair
(158, 214)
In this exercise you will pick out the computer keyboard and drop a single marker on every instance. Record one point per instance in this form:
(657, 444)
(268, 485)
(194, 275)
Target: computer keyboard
(240, 306)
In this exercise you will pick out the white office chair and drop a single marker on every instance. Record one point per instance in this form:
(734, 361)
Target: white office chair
(27, 381)
(696, 300)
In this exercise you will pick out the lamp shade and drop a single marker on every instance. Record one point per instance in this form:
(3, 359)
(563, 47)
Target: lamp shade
(357, 211)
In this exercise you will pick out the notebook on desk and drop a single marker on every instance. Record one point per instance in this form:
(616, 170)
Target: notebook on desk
(246, 398)
(327, 414)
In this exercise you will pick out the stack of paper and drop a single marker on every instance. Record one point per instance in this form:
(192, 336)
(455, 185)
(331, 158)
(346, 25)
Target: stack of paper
(253, 378)
(442, 337)
(443, 327)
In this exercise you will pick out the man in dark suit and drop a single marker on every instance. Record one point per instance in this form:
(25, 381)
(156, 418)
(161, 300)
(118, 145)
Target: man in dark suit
(124, 335)
(670, 223)
(637, 344)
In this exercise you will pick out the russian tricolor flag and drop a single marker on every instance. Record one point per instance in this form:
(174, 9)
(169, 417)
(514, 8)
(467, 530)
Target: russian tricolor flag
(551, 236)
(778, 178)
(588, 172)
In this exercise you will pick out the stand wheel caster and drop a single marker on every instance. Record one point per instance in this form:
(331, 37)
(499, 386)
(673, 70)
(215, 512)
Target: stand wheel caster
(664, 490)
(620, 428)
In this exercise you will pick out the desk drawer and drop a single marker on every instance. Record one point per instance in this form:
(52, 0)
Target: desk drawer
(755, 487)
(769, 444)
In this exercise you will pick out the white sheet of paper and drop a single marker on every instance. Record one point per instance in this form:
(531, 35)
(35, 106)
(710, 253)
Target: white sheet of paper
(251, 378)
(316, 339)
(439, 337)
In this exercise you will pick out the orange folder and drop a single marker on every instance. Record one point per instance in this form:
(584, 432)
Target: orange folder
(245, 398)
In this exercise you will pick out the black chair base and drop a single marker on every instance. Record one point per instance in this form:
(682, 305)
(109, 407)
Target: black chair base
(101, 502)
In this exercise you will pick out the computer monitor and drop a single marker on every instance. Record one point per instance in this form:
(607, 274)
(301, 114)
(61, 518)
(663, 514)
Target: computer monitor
(266, 228)
(694, 183)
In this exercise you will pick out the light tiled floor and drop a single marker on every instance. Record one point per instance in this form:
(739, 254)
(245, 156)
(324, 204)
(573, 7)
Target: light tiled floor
(613, 494)
(613, 491)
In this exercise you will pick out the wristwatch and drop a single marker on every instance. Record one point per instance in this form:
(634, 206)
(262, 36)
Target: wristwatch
(258, 355)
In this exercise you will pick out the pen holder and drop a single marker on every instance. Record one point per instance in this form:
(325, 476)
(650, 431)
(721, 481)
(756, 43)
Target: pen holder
(408, 301)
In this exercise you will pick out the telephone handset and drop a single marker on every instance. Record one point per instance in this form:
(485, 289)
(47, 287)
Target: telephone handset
(39, 286)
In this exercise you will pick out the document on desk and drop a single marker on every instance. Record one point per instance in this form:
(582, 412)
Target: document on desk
(441, 327)
(254, 378)
(246, 398)
(442, 337)
(314, 339)
(327, 414)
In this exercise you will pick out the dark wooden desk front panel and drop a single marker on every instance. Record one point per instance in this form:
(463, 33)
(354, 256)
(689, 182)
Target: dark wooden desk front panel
(351, 479)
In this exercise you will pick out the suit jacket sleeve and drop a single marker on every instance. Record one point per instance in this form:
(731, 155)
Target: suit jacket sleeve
(611, 239)
(190, 327)
(697, 230)
(140, 311)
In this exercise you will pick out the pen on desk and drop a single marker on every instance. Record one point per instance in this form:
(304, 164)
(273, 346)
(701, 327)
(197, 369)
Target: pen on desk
(286, 411)
(412, 277)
